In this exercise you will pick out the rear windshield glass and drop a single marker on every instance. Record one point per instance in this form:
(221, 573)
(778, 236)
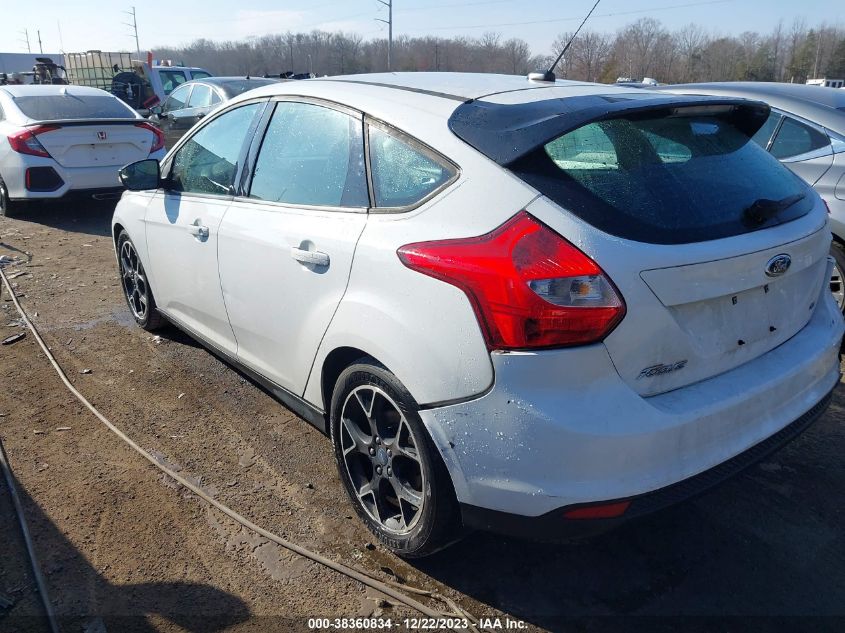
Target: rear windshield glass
(69, 106)
(668, 180)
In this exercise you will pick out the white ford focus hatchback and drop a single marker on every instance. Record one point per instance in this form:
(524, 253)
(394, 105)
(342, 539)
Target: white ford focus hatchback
(536, 308)
(60, 140)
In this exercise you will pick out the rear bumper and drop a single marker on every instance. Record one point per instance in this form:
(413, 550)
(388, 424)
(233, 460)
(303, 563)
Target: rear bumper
(561, 428)
(555, 525)
(72, 178)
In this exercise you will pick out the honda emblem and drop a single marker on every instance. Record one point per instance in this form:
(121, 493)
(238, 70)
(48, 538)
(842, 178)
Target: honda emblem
(101, 136)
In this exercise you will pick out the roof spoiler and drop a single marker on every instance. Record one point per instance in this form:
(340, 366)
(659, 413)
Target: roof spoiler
(507, 132)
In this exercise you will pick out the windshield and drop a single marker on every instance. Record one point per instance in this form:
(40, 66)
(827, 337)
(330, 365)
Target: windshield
(69, 106)
(665, 179)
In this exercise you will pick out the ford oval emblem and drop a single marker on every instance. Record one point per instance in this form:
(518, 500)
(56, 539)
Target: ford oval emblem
(778, 265)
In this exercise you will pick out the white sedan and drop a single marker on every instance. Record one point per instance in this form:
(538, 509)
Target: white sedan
(532, 307)
(56, 140)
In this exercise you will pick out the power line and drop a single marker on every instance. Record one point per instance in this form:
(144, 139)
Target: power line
(574, 19)
(453, 5)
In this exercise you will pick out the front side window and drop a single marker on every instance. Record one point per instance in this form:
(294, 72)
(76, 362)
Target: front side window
(177, 99)
(199, 74)
(170, 79)
(795, 138)
(200, 96)
(666, 179)
(311, 155)
(208, 161)
(403, 174)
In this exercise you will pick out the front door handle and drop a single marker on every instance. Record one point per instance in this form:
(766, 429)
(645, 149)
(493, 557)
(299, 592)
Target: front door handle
(316, 258)
(199, 231)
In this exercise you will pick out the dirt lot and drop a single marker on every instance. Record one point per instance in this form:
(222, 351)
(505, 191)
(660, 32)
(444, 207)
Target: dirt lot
(124, 549)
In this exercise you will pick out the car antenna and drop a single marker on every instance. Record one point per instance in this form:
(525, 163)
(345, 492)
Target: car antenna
(549, 75)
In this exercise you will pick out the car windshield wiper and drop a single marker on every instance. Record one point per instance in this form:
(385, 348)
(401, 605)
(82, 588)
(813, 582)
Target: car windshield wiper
(763, 209)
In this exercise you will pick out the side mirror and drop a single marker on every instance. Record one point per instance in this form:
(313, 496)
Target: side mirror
(141, 176)
(156, 109)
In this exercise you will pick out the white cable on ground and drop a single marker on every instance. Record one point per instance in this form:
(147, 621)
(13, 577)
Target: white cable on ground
(293, 547)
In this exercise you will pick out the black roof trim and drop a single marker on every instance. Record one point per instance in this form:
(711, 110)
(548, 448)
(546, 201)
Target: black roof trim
(507, 132)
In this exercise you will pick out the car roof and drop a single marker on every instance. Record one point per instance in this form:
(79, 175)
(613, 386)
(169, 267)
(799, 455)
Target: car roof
(422, 103)
(824, 106)
(37, 90)
(224, 82)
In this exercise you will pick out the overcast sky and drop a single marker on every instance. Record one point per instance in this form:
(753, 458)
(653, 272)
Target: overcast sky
(79, 25)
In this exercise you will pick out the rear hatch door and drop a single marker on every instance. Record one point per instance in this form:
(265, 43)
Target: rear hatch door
(717, 249)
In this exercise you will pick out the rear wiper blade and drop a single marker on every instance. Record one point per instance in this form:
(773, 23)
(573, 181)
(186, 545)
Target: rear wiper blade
(763, 209)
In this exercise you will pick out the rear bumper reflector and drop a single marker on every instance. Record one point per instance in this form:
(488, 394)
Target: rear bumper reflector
(43, 179)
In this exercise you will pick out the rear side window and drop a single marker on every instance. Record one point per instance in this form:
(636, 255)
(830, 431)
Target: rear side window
(764, 134)
(70, 106)
(795, 138)
(200, 96)
(668, 180)
(311, 155)
(403, 174)
(170, 79)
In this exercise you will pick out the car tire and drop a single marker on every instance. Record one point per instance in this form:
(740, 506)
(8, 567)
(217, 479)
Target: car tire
(391, 439)
(136, 289)
(7, 207)
(837, 278)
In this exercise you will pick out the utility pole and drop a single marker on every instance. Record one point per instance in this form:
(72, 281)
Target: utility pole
(40, 48)
(25, 39)
(389, 23)
(134, 27)
(818, 51)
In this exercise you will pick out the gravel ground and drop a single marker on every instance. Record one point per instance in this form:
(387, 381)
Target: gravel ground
(124, 549)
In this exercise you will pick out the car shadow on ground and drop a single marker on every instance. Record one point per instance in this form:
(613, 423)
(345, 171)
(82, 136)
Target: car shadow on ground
(91, 217)
(196, 608)
(764, 551)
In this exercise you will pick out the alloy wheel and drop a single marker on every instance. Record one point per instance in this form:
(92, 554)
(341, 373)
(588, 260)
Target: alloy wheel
(134, 281)
(382, 459)
(837, 286)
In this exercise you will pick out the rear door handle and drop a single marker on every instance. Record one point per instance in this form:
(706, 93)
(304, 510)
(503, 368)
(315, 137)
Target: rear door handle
(316, 258)
(197, 230)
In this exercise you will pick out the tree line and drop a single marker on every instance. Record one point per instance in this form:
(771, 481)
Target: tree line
(644, 48)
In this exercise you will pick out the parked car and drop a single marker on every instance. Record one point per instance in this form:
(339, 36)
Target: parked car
(806, 132)
(62, 140)
(536, 308)
(192, 100)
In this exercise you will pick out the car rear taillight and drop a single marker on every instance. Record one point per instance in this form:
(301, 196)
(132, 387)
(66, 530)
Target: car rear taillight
(158, 140)
(530, 288)
(26, 141)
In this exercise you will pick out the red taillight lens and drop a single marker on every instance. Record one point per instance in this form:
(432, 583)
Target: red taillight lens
(530, 288)
(26, 141)
(598, 511)
(158, 136)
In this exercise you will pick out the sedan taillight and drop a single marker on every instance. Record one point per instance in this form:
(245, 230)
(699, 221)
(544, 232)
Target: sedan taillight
(530, 288)
(158, 136)
(26, 141)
